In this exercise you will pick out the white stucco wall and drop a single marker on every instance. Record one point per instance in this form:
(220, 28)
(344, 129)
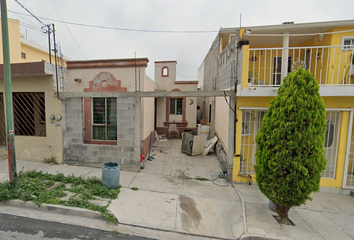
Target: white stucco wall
(148, 109)
(221, 120)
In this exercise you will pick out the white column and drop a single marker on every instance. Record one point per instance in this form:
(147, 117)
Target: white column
(285, 56)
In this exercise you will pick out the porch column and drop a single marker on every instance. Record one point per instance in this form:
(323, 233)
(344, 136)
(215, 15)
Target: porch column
(285, 56)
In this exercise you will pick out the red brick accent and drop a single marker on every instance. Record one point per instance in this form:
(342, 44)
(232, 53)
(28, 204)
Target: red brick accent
(103, 82)
(108, 63)
(105, 78)
(146, 144)
(186, 82)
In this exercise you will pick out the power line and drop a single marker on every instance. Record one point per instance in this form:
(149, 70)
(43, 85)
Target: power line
(123, 29)
(68, 29)
(183, 76)
(28, 11)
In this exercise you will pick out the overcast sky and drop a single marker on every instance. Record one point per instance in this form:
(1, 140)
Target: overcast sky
(189, 49)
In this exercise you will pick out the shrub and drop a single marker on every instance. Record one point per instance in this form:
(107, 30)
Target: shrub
(290, 156)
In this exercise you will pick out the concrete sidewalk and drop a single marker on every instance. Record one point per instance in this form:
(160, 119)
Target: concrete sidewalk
(169, 200)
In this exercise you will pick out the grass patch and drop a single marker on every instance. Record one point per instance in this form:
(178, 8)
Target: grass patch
(134, 188)
(201, 179)
(51, 160)
(47, 188)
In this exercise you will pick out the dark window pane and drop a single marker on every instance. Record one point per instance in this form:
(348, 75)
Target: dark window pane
(99, 132)
(112, 111)
(99, 111)
(172, 106)
(179, 106)
(111, 133)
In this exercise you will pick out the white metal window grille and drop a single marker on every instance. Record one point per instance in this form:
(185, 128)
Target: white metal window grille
(348, 181)
(2, 122)
(331, 143)
(251, 123)
(104, 116)
(29, 114)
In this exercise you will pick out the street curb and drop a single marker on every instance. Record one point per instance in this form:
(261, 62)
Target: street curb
(64, 210)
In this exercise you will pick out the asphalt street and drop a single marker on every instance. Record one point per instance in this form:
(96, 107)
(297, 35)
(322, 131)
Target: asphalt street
(16, 227)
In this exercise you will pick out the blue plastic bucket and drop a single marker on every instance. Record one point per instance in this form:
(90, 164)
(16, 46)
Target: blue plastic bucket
(110, 175)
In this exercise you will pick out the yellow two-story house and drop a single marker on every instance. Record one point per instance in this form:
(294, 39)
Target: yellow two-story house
(255, 61)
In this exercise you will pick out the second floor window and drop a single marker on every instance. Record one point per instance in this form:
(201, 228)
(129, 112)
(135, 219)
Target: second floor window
(348, 42)
(165, 72)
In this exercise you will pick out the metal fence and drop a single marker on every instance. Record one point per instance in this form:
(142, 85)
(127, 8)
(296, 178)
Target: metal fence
(330, 65)
(251, 123)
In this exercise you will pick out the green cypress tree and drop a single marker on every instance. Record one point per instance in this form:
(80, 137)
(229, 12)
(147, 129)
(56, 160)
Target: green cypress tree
(290, 156)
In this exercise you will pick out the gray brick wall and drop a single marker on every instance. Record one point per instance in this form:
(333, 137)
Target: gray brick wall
(76, 152)
(220, 68)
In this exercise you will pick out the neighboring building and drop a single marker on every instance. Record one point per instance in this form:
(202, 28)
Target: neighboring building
(37, 116)
(179, 110)
(258, 59)
(34, 86)
(23, 50)
(102, 129)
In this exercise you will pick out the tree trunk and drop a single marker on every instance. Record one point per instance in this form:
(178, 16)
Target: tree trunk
(282, 211)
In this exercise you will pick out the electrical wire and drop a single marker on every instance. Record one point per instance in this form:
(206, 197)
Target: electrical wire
(183, 76)
(121, 29)
(68, 29)
(29, 12)
(228, 102)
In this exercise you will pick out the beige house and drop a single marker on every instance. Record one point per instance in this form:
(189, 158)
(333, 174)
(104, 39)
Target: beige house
(179, 110)
(107, 130)
(37, 117)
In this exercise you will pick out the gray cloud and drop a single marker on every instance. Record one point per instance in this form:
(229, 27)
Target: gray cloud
(188, 49)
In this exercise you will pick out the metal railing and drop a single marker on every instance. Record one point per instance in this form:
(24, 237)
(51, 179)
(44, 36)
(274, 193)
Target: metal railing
(251, 121)
(330, 65)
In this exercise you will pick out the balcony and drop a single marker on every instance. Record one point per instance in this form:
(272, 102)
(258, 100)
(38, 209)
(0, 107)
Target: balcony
(332, 66)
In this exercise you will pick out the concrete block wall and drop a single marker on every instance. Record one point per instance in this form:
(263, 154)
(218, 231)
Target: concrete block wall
(220, 68)
(76, 152)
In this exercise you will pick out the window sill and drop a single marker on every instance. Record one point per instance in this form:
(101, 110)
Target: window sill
(98, 142)
(179, 124)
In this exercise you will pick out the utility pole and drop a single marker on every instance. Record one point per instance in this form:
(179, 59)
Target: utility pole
(8, 93)
(55, 57)
(50, 50)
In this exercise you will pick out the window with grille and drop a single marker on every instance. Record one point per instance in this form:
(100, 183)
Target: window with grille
(348, 43)
(29, 114)
(251, 123)
(104, 118)
(176, 106)
(331, 143)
